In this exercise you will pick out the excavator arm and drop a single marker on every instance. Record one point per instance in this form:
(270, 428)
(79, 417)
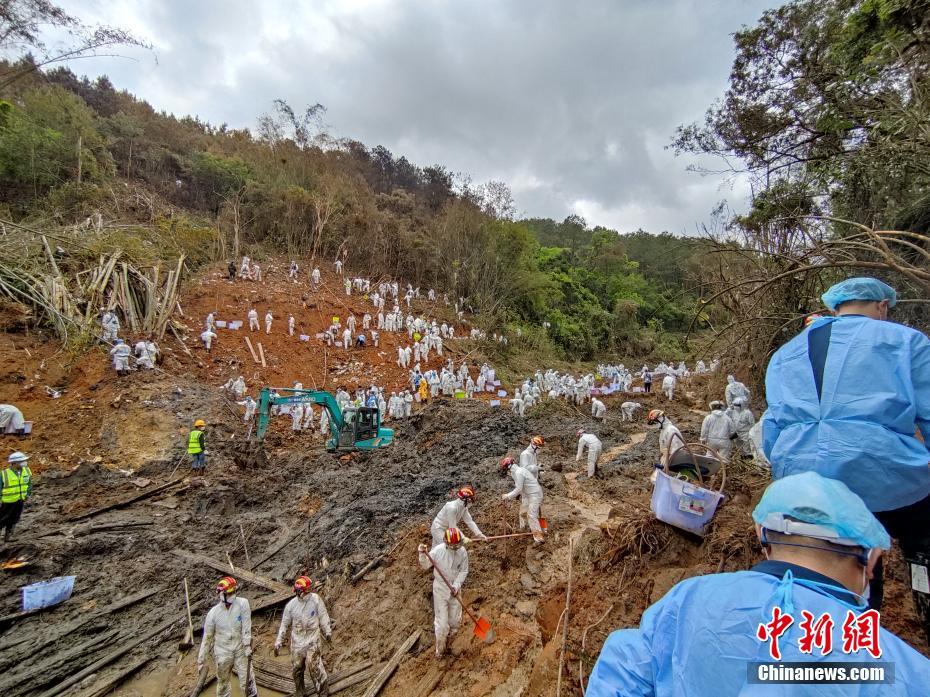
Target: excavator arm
(352, 429)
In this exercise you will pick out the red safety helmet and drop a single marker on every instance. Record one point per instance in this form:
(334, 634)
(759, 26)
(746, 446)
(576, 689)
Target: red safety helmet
(302, 584)
(453, 537)
(506, 463)
(227, 585)
(466, 493)
(579, 432)
(654, 415)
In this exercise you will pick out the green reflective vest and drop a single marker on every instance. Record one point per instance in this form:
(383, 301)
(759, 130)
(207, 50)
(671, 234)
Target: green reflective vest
(193, 442)
(15, 486)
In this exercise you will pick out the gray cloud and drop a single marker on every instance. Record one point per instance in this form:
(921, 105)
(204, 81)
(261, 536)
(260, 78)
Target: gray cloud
(572, 104)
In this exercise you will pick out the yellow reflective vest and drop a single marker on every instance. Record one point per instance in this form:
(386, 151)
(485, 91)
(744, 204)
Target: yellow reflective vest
(16, 487)
(193, 442)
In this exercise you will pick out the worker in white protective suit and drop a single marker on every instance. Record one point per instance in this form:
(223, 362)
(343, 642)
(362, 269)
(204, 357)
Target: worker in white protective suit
(297, 416)
(268, 319)
(628, 409)
(146, 353)
(207, 338)
(594, 446)
(11, 419)
(529, 458)
(253, 320)
(743, 420)
(526, 486)
(291, 323)
(449, 560)
(735, 390)
(598, 409)
(120, 354)
(315, 276)
(306, 617)
(228, 632)
(718, 430)
(250, 406)
(455, 512)
(110, 324)
(668, 386)
(670, 438)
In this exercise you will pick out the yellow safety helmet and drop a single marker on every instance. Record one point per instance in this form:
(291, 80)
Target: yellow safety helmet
(199, 423)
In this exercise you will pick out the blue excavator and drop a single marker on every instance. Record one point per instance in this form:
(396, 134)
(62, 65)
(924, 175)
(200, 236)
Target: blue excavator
(352, 428)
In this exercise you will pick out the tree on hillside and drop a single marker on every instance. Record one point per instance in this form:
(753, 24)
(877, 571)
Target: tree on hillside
(826, 112)
(22, 23)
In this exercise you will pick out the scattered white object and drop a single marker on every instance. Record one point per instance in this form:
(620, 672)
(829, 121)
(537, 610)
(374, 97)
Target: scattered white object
(305, 337)
(919, 578)
(221, 323)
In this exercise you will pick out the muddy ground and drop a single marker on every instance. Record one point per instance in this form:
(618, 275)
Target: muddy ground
(107, 439)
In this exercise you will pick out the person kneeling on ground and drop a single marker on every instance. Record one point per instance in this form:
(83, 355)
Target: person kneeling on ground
(821, 545)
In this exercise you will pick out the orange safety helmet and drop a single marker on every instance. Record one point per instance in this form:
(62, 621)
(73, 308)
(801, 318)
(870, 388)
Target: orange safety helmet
(506, 463)
(453, 537)
(537, 441)
(302, 584)
(654, 415)
(227, 585)
(466, 493)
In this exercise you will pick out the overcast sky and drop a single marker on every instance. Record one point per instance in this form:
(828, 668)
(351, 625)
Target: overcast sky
(571, 103)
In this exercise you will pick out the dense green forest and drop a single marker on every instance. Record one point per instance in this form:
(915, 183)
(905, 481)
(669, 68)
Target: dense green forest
(72, 149)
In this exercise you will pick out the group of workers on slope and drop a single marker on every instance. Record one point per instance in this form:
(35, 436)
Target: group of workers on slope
(447, 555)
(846, 400)
(227, 634)
(145, 352)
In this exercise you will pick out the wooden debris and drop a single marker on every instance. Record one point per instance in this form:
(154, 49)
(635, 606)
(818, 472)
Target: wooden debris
(429, 682)
(126, 502)
(248, 342)
(281, 545)
(239, 573)
(261, 353)
(385, 673)
(278, 676)
(106, 686)
(356, 577)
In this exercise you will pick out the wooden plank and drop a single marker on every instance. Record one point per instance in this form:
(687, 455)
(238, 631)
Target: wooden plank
(272, 599)
(126, 502)
(281, 545)
(116, 655)
(261, 353)
(338, 682)
(106, 686)
(385, 673)
(248, 342)
(11, 618)
(70, 628)
(239, 573)
(428, 684)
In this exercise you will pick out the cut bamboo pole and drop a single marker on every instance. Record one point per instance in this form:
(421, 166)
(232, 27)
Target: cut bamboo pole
(248, 343)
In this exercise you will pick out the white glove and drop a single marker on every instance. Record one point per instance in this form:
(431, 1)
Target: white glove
(422, 548)
(505, 497)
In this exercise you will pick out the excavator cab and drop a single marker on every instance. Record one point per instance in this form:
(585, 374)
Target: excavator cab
(361, 428)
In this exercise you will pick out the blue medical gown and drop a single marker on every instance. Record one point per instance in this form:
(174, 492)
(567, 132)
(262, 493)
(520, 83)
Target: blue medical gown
(876, 388)
(698, 639)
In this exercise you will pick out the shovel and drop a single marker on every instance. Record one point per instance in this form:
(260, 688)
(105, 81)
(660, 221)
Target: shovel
(482, 627)
(497, 537)
(188, 640)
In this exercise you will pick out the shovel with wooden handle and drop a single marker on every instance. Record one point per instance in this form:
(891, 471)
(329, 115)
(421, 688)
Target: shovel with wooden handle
(496, 537)
(188, 640)
(482, 627)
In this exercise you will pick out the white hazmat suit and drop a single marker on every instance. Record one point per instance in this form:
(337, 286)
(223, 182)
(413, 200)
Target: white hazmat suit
(305, 616)
(228, 632)
(450, 516)
(447, 610)
(526, 486)
(594, 446)
(717, 431)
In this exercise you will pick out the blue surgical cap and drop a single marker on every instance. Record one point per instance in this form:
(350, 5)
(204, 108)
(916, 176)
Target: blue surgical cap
(831, 510)
(859, 289)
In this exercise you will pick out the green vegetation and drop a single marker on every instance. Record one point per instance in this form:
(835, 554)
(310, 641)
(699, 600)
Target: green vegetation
(74, 150)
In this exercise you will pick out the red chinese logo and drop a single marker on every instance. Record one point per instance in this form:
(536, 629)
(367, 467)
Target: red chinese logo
(817, 633)
(771, 631)
(862, 633)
